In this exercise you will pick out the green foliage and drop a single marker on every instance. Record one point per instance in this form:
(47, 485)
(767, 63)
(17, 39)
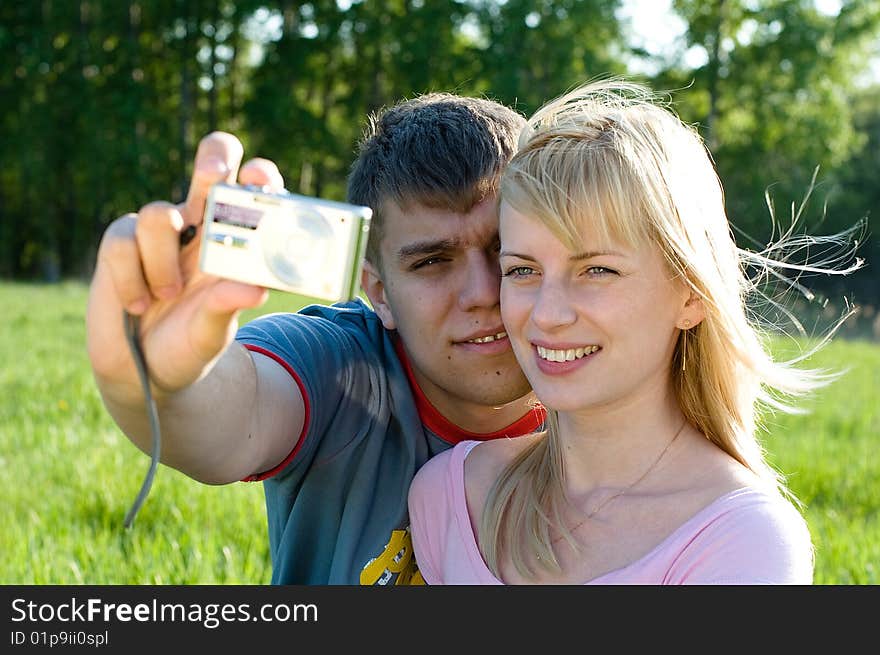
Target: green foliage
(69, 476)
(535, 51)
(775, 99)
(102, 103)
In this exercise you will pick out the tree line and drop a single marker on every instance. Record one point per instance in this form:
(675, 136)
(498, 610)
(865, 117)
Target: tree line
(102, 102)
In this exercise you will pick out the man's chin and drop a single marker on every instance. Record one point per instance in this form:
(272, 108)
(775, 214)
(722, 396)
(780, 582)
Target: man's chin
(499, 389)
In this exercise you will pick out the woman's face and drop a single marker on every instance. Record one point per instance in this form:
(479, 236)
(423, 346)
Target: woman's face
(590, 328)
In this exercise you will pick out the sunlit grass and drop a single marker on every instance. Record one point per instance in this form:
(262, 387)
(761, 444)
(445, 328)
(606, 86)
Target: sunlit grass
(830, 457)
(68, 475)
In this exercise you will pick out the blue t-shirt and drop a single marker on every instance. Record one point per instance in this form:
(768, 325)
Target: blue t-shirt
(337, 505)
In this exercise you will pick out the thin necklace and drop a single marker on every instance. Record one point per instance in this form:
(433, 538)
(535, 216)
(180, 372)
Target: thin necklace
(628, 488)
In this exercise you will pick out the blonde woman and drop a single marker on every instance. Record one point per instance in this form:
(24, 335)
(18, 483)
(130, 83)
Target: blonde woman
(624, 297)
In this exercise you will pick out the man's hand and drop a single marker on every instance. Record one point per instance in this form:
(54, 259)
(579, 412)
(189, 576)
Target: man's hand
(187, 318)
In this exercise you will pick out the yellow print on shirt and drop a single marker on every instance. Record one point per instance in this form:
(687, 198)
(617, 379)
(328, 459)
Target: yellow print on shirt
(395, 563)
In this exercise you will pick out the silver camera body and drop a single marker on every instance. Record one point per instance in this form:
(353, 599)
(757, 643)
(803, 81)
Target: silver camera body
(308, 246)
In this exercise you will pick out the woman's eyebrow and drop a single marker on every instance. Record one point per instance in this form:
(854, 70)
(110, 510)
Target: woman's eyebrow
(588, 254)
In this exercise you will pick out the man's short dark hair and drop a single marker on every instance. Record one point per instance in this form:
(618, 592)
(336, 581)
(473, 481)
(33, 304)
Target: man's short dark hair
(436, 150)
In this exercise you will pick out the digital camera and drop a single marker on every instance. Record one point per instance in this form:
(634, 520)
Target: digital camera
(304, 245)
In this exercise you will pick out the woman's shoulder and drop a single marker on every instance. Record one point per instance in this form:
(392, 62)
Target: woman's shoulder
(444, 467)
(471, 459)
(751, 535)
(765, 511)
(487, 459)
(433, 487)
(486, 462)
(433, 470)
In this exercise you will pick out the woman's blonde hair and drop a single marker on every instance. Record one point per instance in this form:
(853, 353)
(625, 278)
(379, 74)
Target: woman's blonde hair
(612, 155)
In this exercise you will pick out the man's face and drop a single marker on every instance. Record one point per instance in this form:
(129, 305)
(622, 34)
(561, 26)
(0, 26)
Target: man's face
(439, 288)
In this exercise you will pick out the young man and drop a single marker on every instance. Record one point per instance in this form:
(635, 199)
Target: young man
(334, 408)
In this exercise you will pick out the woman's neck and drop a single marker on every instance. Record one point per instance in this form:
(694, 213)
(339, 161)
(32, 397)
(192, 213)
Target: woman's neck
(611, 447)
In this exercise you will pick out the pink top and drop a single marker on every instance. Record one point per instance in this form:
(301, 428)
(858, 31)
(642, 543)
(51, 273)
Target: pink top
(747, 536)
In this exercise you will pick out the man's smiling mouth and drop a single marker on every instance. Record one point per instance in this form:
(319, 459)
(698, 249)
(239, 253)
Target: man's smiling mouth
(488, 339)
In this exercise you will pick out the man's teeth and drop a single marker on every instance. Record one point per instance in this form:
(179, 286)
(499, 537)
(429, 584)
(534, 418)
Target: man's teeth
(491, 337)
(565, 355)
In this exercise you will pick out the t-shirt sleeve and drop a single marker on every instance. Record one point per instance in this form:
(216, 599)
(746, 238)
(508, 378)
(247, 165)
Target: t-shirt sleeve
(335, 365)
(762, 541)
(430, 513)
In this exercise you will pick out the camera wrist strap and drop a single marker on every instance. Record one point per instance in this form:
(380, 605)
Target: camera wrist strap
(131, 325)
(132, 333)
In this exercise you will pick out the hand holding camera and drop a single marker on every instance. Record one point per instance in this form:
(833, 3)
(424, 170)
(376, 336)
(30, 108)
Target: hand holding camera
(187, 317)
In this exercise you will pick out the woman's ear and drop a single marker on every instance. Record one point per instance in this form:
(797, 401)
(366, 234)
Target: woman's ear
(374, 287)
(692, 313)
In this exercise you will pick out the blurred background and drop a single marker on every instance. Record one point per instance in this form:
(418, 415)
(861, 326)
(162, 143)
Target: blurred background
(103, 102)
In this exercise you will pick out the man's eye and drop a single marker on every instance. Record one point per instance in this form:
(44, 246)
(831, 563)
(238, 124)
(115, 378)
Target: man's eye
(428, 261)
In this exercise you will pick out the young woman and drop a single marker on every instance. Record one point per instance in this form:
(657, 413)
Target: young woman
(624, 297)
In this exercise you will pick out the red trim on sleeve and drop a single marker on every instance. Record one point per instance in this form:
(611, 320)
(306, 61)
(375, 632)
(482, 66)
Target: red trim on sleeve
(257, 477)
(449, 431)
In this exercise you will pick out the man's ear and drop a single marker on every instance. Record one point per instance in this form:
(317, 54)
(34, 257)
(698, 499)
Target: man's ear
(374, 287)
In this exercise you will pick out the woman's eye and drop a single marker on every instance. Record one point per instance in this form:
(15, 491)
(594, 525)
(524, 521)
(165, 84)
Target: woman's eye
(600, 271)
(519, 271)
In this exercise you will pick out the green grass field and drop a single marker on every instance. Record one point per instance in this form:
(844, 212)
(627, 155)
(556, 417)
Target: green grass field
(68, 475)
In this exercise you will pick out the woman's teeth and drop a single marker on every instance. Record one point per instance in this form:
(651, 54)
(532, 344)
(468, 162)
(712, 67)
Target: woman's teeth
(565, 355)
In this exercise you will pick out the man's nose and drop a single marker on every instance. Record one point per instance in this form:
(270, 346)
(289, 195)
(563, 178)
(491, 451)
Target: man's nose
(481, 282)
